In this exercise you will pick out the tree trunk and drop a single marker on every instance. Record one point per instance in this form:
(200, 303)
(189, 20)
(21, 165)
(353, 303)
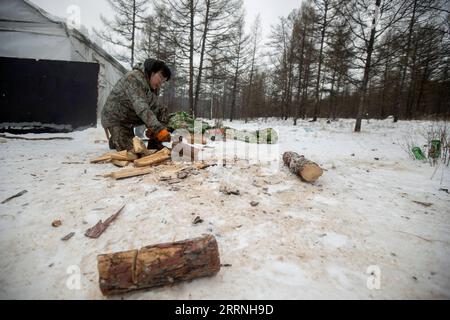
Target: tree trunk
(402, 83)
(330, 106)
(158, 265)
(133, 33)
(322, 39)
(191, 59)
(307, 170)
(202, 54)
(367, 68)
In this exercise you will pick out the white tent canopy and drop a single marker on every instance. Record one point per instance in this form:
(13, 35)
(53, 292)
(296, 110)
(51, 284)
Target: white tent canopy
(27, 31)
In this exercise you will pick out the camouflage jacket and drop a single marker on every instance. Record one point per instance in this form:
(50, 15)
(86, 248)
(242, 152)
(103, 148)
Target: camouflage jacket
(131, 103)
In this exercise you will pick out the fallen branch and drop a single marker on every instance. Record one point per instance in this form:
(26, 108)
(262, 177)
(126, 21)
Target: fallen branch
(34, 139)
(21, 193)
(98, 229)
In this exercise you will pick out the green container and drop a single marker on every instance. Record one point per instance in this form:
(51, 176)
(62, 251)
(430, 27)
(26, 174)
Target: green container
(435, 149)
(418, 153)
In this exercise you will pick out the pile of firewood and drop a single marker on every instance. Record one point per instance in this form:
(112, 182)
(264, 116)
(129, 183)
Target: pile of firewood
(143, 160)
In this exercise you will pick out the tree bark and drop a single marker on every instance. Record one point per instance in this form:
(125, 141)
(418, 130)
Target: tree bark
(191, 58)
(322, 38)
(367, 69)
(306, 169)
(202, 54)
(400, 95)
(158, 265)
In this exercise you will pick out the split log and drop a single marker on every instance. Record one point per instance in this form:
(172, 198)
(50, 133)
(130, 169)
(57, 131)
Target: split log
(307, 170)
(104, 158)
(120, 164)
(158, 265)
(156, 158)
(128, 173)
(124, 156)
(139, 147)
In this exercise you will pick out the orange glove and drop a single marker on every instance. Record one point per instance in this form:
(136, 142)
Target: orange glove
(163, 136)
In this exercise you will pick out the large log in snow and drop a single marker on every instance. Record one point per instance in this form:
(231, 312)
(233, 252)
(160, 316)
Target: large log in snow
(306, 169)
(158, 265)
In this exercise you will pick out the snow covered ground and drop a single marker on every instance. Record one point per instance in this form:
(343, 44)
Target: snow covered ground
(354, 230)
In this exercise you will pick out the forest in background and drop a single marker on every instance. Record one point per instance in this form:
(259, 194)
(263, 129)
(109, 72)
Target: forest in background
(327, 59)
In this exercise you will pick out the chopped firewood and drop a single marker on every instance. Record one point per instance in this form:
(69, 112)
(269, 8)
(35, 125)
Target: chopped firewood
(158, 265)
(104, 158)
(56, 223)
(140, 148)
(119, 163)
(307, 170)
(128, 173)
(124, 156)
(70, 235)
(98, 229)
(21, 193)
(154, 159)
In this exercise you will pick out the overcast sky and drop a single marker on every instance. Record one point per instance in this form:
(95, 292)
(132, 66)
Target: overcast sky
(90, 10)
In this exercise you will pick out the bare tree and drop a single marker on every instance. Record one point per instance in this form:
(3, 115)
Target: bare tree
(122, 30)
(238, 60)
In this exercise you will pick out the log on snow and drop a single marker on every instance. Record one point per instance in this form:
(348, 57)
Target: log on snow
(158, 265)
(129, 173)
(306, 169)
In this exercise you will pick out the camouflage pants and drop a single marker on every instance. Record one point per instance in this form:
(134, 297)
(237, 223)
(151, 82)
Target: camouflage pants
(121, 138)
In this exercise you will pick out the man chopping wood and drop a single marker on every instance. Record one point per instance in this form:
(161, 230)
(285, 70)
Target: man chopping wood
(133, 102)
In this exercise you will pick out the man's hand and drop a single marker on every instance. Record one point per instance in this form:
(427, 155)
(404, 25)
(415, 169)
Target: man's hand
(163, 136)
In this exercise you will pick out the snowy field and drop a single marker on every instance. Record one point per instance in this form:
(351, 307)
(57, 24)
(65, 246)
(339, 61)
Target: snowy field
(302, 241)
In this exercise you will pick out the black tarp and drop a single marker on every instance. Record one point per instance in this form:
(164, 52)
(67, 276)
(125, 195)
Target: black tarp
(49, 95)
